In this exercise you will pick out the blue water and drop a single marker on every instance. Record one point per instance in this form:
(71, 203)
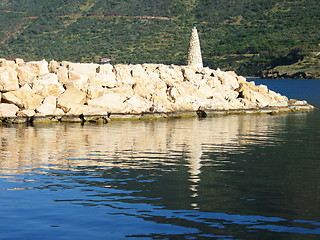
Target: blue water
(228, 177)
(302, 89)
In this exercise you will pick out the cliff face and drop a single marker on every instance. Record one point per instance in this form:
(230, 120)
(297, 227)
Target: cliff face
(31, 89)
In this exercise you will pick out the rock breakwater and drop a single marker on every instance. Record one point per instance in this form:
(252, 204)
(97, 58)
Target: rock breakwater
(66, 91)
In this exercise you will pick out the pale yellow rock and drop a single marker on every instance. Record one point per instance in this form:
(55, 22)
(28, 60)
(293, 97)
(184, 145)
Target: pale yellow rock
(125, 90)
(60, 70)
(95, 111)
(104, 79)
(88, 69)
(150, 85)
(53, 66)
(26, 113)
(227, 78)
(235, 104)
(48, 85)
(151, 67)
(77, 80)
(111, 102)
(10, 97)
(8, 110)
(137, 104)
(78, 109)
(71, 97)
(3, 62)
(170, 75)
(58, 112)
(29, 99)
(25, 75)
(20, 62)
(8, 79)
(39, 67)
(95, 91)
(48, 106)
(123, 74)
(106, 68)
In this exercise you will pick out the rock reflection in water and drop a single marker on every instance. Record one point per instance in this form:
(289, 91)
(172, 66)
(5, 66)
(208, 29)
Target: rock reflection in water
(130, 145)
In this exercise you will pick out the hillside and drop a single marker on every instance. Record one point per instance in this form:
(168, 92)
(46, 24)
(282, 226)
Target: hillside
(242, 35)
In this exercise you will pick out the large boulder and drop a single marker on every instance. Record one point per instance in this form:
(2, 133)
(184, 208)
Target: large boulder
(48, 85)
(10, 97)
(111, 102)
(8, 79)
(60, 70)
(77, 80)
(25, 75)
(49, 105)
(28, 98)
(137, 104)
(8, 110)
(88, 69)
(39, 67)
(105, 77)
(227, 78)
(71, 97)
(123, 74)
(26, 113)
(170, 75)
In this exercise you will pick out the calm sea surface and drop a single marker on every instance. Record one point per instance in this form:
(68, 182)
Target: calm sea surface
(228, 177)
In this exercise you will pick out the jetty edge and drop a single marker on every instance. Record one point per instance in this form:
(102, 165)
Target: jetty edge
(39, 91)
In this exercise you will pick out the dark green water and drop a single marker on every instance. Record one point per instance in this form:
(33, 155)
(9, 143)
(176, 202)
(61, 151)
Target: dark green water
(230, 177)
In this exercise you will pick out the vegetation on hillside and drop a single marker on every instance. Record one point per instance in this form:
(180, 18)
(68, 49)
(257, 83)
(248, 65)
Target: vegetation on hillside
(248, 36)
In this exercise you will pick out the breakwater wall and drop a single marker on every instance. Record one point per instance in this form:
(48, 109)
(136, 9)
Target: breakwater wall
(86, 91)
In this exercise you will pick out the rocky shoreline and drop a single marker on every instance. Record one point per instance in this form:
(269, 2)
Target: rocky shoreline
(41, 91)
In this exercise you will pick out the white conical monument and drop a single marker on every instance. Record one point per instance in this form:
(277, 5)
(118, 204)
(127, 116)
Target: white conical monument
(194, 54)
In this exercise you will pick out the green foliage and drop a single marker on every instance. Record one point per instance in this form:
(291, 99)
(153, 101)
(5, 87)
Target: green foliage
(243, 35)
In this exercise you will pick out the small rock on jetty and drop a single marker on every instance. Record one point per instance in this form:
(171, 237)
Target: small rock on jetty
(86, 91)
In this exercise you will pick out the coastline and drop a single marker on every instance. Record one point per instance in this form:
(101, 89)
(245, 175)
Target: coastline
(42, 91)
(148, 116)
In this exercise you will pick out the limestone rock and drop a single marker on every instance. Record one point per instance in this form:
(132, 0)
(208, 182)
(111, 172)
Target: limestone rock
(10, 97)
(95, 91)
(77, 80)
(137, 104)
(105, 78)
(58, 112)
(125, 90)
(227, 78)
(8, 110)
(3, 62)
(25, 75)
(26, 113)
(70, 98)
(39, 67)
(170, 75)
(29, 99)
(48, 106)
(111, 102)
(95, 111)
(48, 85)
(88, 69)
(20, 62)
(7, 63)
(123, 74)
(8, 79)
(78, 109)
(60, 71)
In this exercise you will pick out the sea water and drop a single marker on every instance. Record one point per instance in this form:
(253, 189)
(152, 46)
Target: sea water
(227, 177)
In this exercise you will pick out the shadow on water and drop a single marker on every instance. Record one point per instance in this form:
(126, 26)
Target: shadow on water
(230, 177)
